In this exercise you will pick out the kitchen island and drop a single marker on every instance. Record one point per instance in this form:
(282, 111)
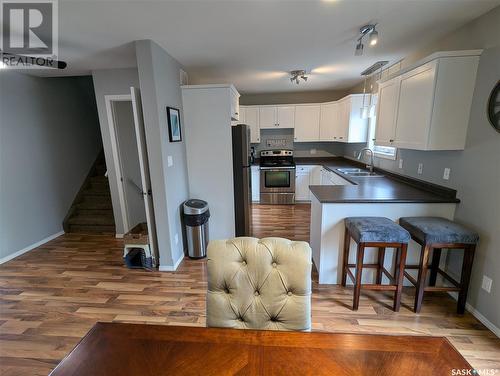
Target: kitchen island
(388, 195)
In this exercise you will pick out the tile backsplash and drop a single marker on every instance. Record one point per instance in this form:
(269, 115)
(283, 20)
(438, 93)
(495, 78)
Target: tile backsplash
(283, 139)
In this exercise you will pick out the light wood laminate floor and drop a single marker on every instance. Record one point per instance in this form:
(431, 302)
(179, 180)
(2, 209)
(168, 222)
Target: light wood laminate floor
(51, 296)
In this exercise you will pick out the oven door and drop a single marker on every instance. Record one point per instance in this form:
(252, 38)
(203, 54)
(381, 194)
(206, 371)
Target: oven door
(277, 179)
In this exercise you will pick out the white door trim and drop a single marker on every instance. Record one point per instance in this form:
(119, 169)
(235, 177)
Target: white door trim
(109, 99)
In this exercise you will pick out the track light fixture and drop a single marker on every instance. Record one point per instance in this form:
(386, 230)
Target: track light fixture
(296, 74)
(372, 38)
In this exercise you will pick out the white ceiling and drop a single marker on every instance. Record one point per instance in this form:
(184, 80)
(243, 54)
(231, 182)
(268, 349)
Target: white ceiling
(254, 43)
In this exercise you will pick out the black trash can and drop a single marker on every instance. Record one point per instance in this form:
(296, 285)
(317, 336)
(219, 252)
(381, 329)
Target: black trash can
(196, 215)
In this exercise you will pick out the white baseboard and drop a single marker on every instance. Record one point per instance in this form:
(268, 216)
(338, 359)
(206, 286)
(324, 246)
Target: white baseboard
(119, 236)
(478, 315)
(168, 268)
(30, 247)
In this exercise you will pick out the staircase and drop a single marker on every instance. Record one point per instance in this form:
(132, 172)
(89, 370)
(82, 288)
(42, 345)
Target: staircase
(91, 211)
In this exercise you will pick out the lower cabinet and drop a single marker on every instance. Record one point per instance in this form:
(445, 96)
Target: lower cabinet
(255, 177)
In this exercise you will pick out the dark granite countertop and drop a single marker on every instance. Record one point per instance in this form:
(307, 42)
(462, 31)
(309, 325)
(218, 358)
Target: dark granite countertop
(390, 188)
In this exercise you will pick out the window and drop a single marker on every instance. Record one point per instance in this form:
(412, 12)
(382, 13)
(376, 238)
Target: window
(388, 152)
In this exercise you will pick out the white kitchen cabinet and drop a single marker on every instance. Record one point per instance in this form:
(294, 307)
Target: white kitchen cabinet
(388, 97)
(415, 107)
(267, 117)
(235, 104)
(307, 119)
(249, 115)
(429, 103)
(302, 185)
(271, 117)
(328, 121)
(255, 177)
(341, 120)
(286, 116)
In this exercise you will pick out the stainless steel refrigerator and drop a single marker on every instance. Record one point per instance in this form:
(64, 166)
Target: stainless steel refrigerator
(242, 180)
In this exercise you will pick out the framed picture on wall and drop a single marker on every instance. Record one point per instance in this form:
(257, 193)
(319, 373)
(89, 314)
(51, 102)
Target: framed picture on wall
(174, 124)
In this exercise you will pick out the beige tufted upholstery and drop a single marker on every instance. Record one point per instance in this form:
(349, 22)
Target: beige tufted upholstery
(259, 284)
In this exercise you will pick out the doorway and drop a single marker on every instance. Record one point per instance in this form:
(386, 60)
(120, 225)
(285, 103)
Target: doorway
(129, 150)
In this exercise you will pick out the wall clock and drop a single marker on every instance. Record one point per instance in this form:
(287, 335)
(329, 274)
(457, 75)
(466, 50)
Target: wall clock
(494, 107)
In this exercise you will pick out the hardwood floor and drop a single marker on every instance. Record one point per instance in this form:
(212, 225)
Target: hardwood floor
(285, 221)
(51, 296)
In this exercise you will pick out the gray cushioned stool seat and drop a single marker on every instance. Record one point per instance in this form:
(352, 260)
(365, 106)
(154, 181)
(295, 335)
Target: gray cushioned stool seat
(376, 229)
(438, 230)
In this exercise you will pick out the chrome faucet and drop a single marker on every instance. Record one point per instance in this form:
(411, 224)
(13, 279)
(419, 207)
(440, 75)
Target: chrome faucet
(360, 156)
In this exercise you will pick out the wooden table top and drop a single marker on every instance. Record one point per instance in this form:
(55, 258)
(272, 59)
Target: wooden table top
(132, 349)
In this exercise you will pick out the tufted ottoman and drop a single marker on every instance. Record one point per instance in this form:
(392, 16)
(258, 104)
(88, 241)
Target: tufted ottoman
(259, 284)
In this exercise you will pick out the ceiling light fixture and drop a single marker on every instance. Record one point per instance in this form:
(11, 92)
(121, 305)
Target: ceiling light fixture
(372, 38)
(296, 74)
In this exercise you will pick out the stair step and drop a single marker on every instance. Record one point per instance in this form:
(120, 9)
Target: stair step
(97, 203)
(97, 191)
(99, 220)
(94, 212)
(92, 229)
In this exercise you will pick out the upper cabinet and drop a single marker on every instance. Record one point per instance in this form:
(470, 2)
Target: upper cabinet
(341, 121)
(388, 96)
(307, 123)
(427, 106)
(276, 117)
(252, 120)
(235, 104)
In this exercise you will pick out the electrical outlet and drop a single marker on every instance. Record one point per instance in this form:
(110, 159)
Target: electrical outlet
(313, 151)
(400, 163)
(446, 175)
(170, 161)
(486, 285)
(420, 168)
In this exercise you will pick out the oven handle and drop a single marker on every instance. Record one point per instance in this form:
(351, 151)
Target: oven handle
(277, 168)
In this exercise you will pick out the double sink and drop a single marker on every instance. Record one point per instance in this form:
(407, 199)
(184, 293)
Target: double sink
(358, 172)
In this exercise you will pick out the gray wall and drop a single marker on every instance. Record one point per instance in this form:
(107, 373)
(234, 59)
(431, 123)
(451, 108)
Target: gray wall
(160, 87)
(475, 171)
(112, 82)
(49, 138)
(292, 97)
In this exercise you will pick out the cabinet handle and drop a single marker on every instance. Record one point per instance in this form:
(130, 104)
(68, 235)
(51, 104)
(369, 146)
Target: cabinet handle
(341, 138)
(391, 140)
(335, 138)
(374, 139)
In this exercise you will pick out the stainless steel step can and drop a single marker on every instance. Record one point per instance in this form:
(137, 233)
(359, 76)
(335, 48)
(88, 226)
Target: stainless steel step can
(196, 216)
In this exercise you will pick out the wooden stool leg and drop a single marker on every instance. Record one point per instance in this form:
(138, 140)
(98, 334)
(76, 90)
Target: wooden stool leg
(381, 256)
(436, 256)
(359, 269)
(465, 278)
(345, 261)
(400, 268)
(422, 273)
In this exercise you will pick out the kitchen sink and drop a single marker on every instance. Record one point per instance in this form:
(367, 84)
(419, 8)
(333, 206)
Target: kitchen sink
(358, 172)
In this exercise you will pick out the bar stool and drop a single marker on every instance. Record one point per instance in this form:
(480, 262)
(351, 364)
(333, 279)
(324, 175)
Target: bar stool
(377, 232)
(434, 233)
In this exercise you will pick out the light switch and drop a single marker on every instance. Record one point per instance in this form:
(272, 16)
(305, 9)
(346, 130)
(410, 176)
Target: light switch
(420, 168)
(486, 285)
(446, 175)
(176, 237)
(170, 161)
(400, 163)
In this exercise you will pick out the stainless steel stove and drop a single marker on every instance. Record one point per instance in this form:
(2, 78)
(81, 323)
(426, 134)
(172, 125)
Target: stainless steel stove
(277, 177)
